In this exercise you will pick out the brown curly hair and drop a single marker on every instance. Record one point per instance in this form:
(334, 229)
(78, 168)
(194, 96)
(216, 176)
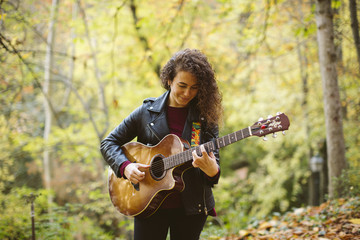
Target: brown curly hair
(208, 97)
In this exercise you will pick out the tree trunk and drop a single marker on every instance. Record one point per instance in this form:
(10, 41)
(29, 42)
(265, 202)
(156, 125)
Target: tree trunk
(47, 92)
(68, 86)
(355, 27)
(331, 95)
(103, 106)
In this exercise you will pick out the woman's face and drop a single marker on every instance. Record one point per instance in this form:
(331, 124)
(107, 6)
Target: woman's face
(184, 88)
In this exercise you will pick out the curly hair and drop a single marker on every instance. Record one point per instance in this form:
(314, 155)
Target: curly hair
(208, 97)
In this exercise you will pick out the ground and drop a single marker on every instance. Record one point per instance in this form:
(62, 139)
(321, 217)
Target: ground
(333, 220)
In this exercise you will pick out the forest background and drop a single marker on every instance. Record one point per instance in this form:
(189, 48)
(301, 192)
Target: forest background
(71, 70)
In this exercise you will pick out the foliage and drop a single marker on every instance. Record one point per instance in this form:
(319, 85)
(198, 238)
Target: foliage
(70, 221)
(349, 181)
(265, 56)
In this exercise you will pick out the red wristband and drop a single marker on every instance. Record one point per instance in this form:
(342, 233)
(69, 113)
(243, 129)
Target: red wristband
(122, 168)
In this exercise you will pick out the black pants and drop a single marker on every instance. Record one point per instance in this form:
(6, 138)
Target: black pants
(182, 226)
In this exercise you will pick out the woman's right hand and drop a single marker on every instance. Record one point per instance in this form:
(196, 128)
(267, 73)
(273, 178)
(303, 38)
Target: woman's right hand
(135, 172)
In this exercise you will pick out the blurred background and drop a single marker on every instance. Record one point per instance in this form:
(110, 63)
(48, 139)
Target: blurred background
(71, 70)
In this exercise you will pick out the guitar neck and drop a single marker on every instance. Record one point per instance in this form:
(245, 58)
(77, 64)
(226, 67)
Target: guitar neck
(185, 156)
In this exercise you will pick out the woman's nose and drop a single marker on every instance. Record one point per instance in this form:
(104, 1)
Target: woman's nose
(187, 92)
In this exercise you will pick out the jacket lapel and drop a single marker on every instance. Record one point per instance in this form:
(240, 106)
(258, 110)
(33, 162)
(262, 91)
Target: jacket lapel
(158, 122)
(193, 116)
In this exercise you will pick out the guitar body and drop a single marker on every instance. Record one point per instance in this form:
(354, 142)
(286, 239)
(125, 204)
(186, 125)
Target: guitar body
(144, 198)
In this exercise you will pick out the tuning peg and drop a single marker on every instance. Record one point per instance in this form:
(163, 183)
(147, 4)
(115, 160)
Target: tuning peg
(278, 113)
(274, 135)
(265, 138)
(283, 132)
(260, 119)
(270, 116)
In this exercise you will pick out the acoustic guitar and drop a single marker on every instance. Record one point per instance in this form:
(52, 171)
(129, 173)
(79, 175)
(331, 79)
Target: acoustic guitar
(168, 161)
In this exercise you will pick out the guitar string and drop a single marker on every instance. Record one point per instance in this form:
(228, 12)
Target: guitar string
(221, 142)
(159, 166)
(209, 146)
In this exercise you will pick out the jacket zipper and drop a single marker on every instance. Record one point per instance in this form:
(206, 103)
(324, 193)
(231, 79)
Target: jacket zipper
(205, 208)
(153, 132)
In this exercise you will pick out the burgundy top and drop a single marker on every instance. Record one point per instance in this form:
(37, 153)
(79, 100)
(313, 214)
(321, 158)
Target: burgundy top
(176, 118)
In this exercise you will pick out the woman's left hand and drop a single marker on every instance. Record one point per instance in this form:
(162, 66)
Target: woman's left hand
(207, 162)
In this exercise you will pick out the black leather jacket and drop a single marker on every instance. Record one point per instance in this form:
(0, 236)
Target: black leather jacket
(149, 124)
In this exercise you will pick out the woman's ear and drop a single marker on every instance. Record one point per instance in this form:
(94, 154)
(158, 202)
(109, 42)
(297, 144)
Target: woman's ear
(169, 83)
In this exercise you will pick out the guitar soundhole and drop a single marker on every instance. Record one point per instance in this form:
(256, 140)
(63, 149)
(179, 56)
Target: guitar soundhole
(157, 168)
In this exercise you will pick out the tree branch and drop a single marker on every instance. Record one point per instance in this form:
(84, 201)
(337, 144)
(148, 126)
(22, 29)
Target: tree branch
(156, 66)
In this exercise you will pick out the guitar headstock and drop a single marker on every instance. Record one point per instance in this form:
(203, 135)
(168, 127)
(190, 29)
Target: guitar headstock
(278, 123)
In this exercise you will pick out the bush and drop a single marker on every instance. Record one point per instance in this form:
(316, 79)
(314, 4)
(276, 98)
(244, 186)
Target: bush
(64, 222)
(348, 182)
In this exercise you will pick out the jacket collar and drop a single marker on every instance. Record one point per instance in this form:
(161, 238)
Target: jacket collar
(160, 104)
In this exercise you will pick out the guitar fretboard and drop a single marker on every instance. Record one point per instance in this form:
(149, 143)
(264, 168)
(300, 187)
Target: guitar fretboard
(185, 156)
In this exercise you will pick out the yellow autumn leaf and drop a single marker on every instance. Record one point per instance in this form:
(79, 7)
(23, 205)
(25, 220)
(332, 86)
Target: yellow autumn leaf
(243, 233)
(26, 55)
(355, 221)
(265, 225)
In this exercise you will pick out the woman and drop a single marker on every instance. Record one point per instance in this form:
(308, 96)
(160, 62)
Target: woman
(191, 109)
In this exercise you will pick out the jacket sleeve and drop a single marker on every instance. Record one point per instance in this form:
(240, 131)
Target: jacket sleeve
(110, 147)
(209, 135)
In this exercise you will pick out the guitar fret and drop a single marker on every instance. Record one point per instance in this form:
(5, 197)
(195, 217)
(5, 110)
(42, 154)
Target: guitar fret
(237, 135)
(211, 147)
(171, 161)
(250, 133)
(226, 140)
(247, 134)
(166, 163)
(207, 147)
(181, 158)
(221, 143)
(198, 151)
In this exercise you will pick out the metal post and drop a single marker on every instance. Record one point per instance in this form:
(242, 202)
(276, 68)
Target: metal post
(316, 179)
(30, 199)
(316, 166)
(33, 220)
